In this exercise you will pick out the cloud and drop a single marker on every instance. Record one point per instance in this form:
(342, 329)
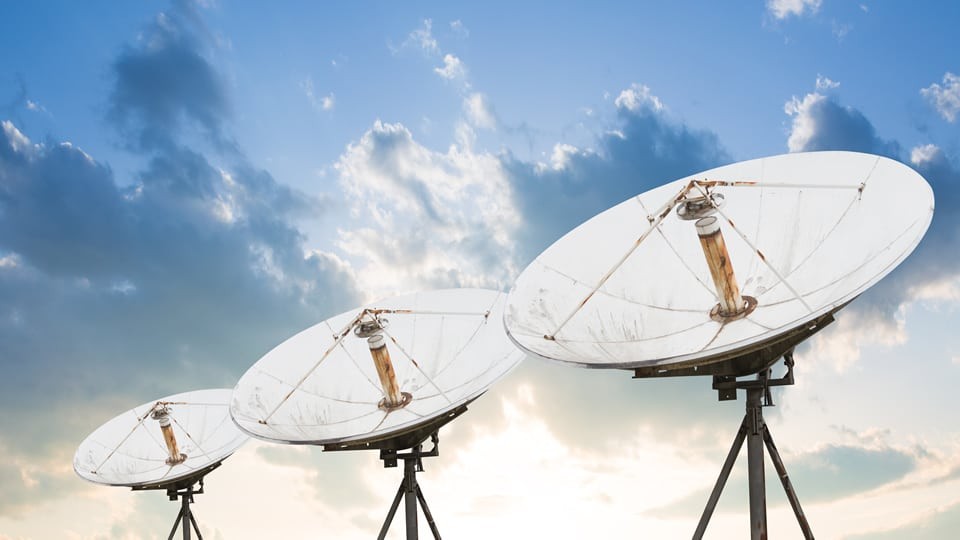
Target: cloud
(452, 69)
(167, 82)
(459, 29)
(423, 39)
(782, 9)
(825, 83)
(637, 97)
(946, 98)
(115, 293)
(821, 123)
(479, 111)
(426, 219)
(646, 149)
(826, 474)
(319, 103)
(938, 524)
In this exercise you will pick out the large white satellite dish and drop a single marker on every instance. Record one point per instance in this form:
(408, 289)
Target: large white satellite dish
(722, 273)
(632, 288)
(169, 444)
(384, 376)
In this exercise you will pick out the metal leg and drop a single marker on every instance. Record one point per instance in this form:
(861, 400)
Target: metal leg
(758, 493)
(391, 513)
(185, 511)
(787, 485)
(721, 481)
(176, 523)
(410, 497)
(426, 512)
(195, 526)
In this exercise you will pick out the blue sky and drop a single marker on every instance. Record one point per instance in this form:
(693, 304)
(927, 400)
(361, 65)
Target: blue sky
(183, 185)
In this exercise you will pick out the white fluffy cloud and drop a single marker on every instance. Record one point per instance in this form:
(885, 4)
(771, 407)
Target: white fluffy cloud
(452, 69)
(804, 123)
(945, 98)
(825, 83)
(781, 9)
(426, 219)
(479, 111)
(638, 95)
(320, 103)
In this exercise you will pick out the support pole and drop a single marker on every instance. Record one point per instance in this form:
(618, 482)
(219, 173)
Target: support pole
(410, 496)
(758, 495)
(388, 377)
(718, 259)
(162, 415)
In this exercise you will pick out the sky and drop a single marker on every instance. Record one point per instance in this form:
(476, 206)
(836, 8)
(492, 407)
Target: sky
(184, 185)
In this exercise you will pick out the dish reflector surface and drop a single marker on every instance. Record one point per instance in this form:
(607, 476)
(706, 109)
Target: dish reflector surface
(322, 387)
(806, 233)
(130, 450)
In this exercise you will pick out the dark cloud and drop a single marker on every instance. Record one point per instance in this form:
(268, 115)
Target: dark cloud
(824, 124)
(167, 81)
(112, 296)
(646, 151)
(837, 127)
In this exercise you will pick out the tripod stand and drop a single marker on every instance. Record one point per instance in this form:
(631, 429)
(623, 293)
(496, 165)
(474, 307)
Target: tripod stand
(186, 514)
(409, 489)
(754, 430)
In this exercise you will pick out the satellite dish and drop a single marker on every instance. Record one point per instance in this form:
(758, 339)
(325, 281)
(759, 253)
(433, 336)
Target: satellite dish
(383, 376)
(168, 444)
(722, 273)
(719, 264)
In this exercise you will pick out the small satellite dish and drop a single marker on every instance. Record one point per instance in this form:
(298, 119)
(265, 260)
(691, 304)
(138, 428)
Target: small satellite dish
(384, 376)
(722, 273)
(720, 264)
(168, 444)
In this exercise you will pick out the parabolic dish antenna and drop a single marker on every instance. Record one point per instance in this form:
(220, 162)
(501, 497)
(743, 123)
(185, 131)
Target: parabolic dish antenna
(169, 444)
(386, 376)
(721, 263)
(722, 273)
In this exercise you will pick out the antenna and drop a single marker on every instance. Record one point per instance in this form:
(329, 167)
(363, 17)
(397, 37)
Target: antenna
(196, 434)
(782, 243)
(386, 376)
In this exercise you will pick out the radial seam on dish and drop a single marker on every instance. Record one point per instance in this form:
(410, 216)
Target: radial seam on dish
(424, 397)
(135, 426)
(414, 362)
(208, 434)
(679, 258)
(483, 322)
(189, 436)
(312, 393)
(664, 211)
(714, 338)
(613, 341)
(851, 272)
(819, 245)
(611, 295)
(333, 423)
(120, 453)
(336, 342)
